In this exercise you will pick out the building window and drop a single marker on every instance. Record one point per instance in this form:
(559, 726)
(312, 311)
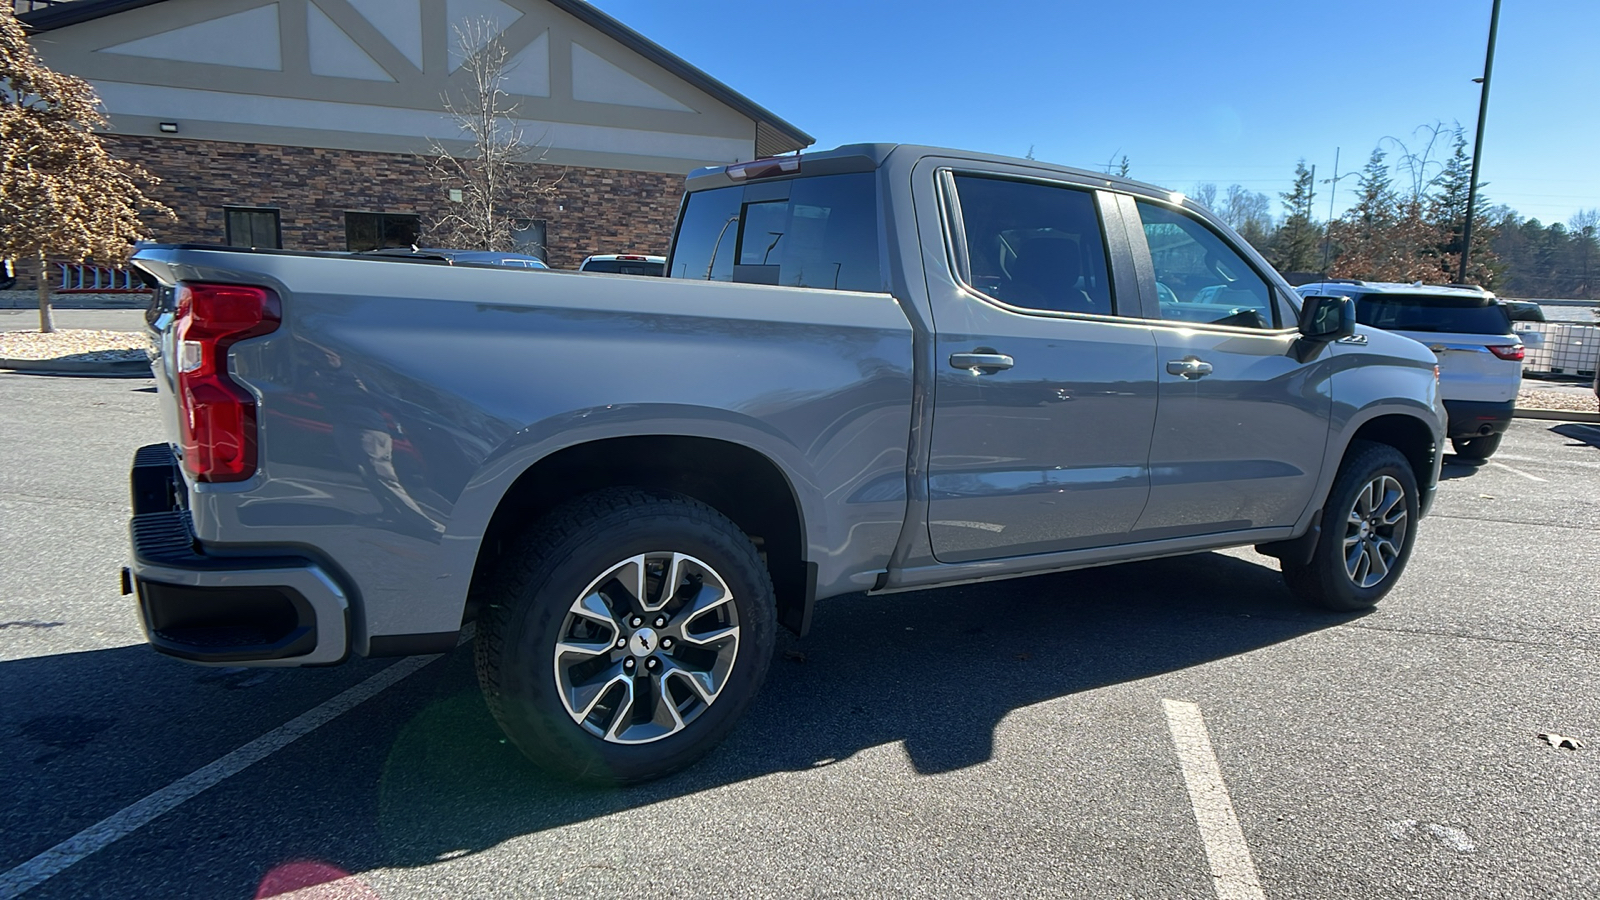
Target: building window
(375, 231)
(248, 227)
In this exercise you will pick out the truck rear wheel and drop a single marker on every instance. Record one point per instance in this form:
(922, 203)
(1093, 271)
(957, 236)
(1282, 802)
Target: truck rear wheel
(625, 635)
(1369, 525)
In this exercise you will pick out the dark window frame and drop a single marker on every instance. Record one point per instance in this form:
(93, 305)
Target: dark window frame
(277, 225)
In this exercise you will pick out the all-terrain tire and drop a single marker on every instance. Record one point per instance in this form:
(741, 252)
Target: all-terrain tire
(529, 609)
(1328, 580)
(1478, 448)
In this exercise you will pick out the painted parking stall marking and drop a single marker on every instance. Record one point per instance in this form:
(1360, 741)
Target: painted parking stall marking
(1502, 465)
(1233, 871)
(140, 813)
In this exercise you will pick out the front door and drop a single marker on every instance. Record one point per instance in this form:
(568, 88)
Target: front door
(1242, 424)
(1045, 396)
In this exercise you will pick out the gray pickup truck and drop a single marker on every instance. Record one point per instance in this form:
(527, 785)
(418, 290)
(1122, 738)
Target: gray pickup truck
(874, 369)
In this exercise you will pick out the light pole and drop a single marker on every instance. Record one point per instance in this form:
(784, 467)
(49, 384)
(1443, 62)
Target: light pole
(1477, 145)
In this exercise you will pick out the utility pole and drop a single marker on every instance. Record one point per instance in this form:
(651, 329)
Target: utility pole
(1477, 146)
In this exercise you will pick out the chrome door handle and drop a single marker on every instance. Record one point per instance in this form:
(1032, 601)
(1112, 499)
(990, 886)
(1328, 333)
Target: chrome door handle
(979, 362)
(1189, 367)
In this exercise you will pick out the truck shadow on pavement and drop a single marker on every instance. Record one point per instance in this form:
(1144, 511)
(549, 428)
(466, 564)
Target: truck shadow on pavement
(421, 773)
(933, 670)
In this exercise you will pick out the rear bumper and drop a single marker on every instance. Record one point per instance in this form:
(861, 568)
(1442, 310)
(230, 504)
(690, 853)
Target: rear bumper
(1476, 418)
(263, 610)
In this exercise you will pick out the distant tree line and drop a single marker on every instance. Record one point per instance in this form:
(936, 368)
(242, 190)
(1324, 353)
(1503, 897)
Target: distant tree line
(1408, 222)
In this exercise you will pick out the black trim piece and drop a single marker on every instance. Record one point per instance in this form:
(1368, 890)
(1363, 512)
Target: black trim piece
(1468, 416)
(227, 624)
(412, 644)
(154, 479)
(795, 615)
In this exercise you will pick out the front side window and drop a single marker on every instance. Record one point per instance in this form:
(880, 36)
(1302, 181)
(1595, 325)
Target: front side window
(813, 232)
(1199, 278)
(375, 231)
(1035, 246)
(252, 227)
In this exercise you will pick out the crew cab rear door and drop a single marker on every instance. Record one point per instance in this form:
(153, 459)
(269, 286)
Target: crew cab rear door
(1242, 421)
(1044, 374)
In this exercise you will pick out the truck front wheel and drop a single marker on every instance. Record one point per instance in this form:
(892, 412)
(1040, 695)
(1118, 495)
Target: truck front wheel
(625, 635)
(1369, 525)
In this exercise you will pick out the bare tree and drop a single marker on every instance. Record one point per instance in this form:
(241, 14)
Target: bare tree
(491, 183)
(1420, 166)
(1205, 194)
(61, 193)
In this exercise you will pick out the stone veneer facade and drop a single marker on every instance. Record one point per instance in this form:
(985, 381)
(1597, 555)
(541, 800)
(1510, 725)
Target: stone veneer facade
(595, 211)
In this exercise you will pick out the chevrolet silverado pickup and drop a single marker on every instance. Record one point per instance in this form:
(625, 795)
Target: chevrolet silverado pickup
(874, 369)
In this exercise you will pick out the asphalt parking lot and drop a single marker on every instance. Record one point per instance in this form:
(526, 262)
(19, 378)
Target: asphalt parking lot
(1012, 739)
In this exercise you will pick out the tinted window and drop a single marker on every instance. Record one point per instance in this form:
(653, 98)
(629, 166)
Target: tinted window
(1199, 277)
(1423, 312)
(1033, 245)
(824, 234)
(252, 227)
(624, 266)
(375, 231)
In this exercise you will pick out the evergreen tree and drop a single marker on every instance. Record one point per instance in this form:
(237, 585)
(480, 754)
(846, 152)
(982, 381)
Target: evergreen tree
(1295, 246)
(1447, 213)
(1378, 205)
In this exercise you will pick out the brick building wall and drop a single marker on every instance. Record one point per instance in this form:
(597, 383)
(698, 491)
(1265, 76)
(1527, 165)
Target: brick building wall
(595, 210)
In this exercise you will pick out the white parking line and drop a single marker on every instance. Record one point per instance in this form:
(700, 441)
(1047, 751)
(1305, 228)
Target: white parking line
(1502, 465)
(1233, 872)
(131, 818)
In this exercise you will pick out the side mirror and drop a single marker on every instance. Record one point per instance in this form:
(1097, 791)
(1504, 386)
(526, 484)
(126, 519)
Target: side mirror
(1325, 319)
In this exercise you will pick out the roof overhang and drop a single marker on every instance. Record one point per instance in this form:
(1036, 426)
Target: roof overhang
(774, 135)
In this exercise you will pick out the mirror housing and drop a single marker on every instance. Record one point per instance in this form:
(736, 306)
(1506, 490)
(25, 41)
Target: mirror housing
(1327, 319)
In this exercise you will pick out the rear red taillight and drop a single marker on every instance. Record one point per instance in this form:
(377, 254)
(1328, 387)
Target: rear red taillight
(217, 415)
(1508, 351)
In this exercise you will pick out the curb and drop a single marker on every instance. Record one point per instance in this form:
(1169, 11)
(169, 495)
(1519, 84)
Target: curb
(122, 368)
(1557, 415)
(132, 301)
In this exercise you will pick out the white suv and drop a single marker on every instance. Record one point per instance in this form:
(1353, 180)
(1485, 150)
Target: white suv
(1469, 330)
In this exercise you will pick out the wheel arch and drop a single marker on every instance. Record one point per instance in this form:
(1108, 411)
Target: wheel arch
(739, 481)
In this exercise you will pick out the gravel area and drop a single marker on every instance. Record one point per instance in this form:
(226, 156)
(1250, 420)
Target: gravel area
(1574, 399)
(78, 344)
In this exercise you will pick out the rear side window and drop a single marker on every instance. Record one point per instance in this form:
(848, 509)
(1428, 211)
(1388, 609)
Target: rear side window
(1036, 246)
(1433, 313)
(817, 232)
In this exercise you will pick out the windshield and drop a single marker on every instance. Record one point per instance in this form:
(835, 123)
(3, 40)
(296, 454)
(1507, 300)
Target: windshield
(1432, 313)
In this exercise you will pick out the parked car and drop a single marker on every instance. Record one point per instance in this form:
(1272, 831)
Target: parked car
(1524, 310)
(464, 257)
(625, 264)
(1469, 330)
(884, 368)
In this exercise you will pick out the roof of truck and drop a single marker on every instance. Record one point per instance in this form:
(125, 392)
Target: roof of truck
(867, 157)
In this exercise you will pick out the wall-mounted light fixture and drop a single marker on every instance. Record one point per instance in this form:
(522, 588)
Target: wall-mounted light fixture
(168, 127)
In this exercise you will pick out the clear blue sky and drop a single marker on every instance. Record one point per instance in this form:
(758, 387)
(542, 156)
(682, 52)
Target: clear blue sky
(1225, 91)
